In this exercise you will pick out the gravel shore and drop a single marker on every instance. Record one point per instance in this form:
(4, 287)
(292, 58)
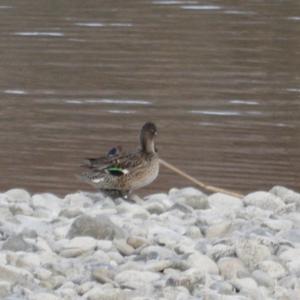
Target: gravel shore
(178, 246)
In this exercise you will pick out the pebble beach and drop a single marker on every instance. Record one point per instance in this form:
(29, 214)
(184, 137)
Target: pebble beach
(181, 245)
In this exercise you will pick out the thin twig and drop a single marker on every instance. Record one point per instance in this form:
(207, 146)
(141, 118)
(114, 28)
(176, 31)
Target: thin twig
(199, 183)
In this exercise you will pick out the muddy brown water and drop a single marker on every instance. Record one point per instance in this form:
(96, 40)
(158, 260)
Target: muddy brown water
(220, 78)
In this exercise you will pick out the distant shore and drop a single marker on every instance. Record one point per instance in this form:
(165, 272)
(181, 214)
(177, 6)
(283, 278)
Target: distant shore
(181, 245)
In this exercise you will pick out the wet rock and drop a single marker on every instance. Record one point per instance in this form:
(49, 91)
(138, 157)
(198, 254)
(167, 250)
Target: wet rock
(100, 227)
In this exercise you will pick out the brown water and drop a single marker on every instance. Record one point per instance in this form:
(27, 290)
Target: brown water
(220, 78)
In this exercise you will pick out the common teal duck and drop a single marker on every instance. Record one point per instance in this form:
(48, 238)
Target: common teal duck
(122, 172)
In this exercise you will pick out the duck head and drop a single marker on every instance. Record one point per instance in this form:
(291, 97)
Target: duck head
(147, 137)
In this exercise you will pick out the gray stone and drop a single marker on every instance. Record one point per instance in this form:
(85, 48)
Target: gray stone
(156, 252)
(222, 287)
(203, 263)
(18, 195)
(273, 269)
(15, 275)
(251, 252)
(220, 250)
(17, 243)
(155, 208)
(77, 246)
(287, 195)
(44, 296)
(137, 280)
(103, 275)
(5, 289)
(137, 242)
(224, 203)
(104, 293)
(264, 200)
(218, 230)
(99, 227)
(181, 207)
(158, 266)
(190, 197)
(123, 247)
(21, 209)
(278, 225)
(292, 235)
(193, 232)
(247, 286)
(262, 278)
(231, 267)
(70, 212)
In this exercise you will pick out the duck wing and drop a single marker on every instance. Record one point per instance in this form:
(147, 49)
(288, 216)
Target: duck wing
(102, 162)
(124, 165)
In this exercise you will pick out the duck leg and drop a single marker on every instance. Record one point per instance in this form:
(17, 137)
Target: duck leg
(134, 198)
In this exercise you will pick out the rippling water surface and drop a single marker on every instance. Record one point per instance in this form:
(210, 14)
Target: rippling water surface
(220, 78)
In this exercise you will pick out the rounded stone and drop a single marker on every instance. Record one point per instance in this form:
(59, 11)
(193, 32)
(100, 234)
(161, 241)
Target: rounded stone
(203, 263)
(264, 200)
(100, 227)
(136, 279)
(224, 203)
(251, 252)
(272, 268)
(231, 267)
(77, 246)
(218, 230)
(18, 195)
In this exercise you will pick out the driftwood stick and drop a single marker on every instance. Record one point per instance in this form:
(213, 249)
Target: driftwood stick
(199, 183)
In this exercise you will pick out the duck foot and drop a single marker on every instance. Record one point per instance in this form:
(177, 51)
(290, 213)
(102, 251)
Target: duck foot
(126, 195)
(114, 194)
